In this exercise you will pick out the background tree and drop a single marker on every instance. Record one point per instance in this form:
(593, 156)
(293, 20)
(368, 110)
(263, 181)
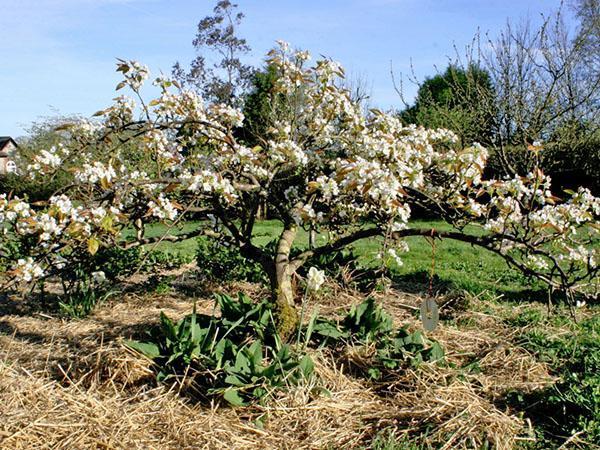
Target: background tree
(41, 135)
(539, 87)
(542, 85)
(459, 99)
(588, 13)
(259, 108)
(227, 78)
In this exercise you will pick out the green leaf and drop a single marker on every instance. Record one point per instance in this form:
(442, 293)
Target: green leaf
(220, 350)
(306, 366)
(195, 331)
(374, 373)
(93, 245)
(234, 380)
(329, 329)
(147, 349)
(256, 351)
(242, 364)
(437, 352)
(232, 396)
(107, 223)
(320, 390)
(311, 326)
(168, 327)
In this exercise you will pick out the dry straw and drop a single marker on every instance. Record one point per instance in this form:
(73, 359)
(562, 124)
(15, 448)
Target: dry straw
(70, 385)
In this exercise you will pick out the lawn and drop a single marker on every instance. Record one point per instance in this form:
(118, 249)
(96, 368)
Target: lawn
(458, 265)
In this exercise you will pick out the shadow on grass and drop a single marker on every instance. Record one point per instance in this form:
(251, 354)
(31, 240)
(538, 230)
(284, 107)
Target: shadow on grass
(554, 417)
(417, 282)
(569, 409)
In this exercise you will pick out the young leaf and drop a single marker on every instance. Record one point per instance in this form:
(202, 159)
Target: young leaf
(232, 396)
(93, 245)
(148, 349)
(306, 366)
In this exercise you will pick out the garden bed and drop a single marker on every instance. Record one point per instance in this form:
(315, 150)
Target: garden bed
(73, 384)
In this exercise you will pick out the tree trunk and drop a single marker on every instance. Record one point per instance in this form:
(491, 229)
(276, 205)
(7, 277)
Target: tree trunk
(285, 311)
(312, 239)
(281, 285)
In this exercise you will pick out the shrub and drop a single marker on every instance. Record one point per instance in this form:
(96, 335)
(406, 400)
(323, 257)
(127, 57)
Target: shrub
(159, 284)
(10, 251)
(24, 187)
(116, 262)
(165, 260)
(220, 261)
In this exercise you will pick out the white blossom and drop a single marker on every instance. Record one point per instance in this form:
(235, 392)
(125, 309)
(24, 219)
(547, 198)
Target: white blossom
(315, 279)
(99, 277)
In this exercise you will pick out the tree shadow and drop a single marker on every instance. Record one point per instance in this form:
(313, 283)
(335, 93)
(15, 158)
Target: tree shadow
(14, 304)
(418, 282)
(70, 355)
(554, 417)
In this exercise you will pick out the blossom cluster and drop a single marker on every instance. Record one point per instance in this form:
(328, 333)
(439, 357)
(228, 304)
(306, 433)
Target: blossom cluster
(55, 233)
(47, 161)
(162, 208)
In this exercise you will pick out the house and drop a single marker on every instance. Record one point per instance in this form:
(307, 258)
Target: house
(8, 146)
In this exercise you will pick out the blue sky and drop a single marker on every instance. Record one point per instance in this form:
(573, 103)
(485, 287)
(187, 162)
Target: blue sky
(58, 56)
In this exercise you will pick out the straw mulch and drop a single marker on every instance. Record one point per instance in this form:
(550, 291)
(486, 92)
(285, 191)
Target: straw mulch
(72, 384)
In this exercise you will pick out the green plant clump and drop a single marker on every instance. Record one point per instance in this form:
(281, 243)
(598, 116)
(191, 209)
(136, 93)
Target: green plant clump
(116, 262)
(239, 355)
(369, 324)
(81, 295)
(232, 355)
(165, 260)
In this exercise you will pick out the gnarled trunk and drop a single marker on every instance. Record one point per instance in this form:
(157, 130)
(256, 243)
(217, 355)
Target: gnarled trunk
(281, 285)
(286, 315)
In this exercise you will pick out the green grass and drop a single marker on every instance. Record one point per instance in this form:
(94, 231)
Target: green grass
(186, 247)
(458, 265)
(572, 351)
(387, 440)
(569, 407)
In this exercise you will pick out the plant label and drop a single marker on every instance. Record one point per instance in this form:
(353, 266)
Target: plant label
(429, 314)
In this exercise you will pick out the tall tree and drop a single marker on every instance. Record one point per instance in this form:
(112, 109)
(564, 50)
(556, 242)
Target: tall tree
(543, 85)
(588, 13)
(539, 85)
(218, 72)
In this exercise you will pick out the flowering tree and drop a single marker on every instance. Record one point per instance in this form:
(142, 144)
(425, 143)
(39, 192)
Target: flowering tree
(324, 165)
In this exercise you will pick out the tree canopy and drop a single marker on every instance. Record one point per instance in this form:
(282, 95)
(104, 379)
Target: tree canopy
(324, 164)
